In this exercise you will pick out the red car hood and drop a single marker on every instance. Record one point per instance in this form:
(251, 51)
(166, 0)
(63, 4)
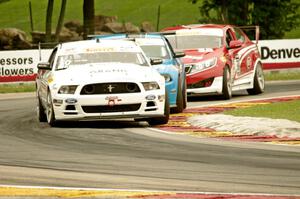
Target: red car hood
(197, 55)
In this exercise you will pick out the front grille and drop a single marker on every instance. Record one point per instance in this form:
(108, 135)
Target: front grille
(110, 88)
(201, 84)
(111, 109)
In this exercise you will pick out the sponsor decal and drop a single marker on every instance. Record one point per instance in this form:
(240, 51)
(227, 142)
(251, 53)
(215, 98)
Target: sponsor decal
(20, 65)
(111, 100)
(205, 31)
(93, 50)
(283, 53)
(280, 54)
(248, 62)
(109, 71)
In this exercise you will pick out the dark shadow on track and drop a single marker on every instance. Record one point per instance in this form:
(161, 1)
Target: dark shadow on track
(103, 124)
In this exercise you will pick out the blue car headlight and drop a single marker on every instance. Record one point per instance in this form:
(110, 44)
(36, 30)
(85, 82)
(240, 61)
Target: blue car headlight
(167, 77)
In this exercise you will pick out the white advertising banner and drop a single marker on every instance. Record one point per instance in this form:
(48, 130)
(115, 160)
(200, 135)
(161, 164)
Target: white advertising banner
(20, 65)
(280, 54)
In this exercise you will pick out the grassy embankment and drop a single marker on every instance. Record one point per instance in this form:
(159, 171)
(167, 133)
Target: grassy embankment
(281, 110)
(17, 87)
(15, 13)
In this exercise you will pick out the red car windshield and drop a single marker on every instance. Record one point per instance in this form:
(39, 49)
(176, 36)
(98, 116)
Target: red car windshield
(186, 42)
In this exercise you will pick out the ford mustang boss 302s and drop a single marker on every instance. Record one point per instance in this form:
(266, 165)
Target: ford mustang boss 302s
(100, 79)
(156, 46)
(219, 59)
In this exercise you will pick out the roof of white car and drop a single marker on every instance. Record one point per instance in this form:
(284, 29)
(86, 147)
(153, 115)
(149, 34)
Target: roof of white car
(98, 45)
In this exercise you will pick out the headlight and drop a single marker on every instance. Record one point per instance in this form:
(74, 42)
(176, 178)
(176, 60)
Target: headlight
(202, 65)
(167, 77)
(70, 89)
(150, 86)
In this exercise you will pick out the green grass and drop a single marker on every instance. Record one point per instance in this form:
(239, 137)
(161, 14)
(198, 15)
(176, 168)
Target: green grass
(281, 110)
(273, 76)
(15, 13)
(17, 88)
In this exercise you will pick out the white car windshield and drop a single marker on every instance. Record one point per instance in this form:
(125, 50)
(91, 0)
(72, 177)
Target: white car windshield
(185, 42)
(66, 61)
(155, 51)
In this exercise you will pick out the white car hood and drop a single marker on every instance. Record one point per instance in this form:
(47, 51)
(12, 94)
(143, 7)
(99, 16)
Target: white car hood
(106, 72)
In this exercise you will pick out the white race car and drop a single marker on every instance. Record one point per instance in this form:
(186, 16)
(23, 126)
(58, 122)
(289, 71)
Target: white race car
(100, 79)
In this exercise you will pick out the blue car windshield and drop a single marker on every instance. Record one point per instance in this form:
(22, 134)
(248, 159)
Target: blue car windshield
(155, 51)
(187, 42)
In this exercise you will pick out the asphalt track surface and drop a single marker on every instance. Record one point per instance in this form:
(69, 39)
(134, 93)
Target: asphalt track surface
(126, 155)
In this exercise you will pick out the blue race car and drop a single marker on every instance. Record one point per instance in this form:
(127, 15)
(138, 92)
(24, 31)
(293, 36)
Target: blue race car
(157, 46)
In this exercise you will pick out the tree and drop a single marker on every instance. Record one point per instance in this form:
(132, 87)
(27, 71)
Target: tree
(60, 19)
(49, 20)
(275, 17)
(88, 18)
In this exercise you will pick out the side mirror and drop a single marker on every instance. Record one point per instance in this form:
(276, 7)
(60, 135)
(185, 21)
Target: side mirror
(44, 66)
(179, 54)
(235, 44)
(156, 61)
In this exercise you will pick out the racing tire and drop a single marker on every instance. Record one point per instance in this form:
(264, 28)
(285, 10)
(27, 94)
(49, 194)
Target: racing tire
(139, 119)
(258, 81)
(164, 119)
(227, 86)
(179, 99)
(50, 111)
(40, 111)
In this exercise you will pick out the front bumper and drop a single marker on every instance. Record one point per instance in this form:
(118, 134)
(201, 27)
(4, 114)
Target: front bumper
(91, 107)
(214, 88)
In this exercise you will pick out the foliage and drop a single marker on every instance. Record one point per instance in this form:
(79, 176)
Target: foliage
(14, 13)
(275, 17)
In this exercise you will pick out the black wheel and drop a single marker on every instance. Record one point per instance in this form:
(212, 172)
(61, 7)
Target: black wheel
(139, 119)
(40, 110)
(179, 99)
(49, 110)
(227, 86)
(258, 81)
(164, 119)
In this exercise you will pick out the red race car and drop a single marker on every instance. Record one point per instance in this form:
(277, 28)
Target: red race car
(219, 59)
